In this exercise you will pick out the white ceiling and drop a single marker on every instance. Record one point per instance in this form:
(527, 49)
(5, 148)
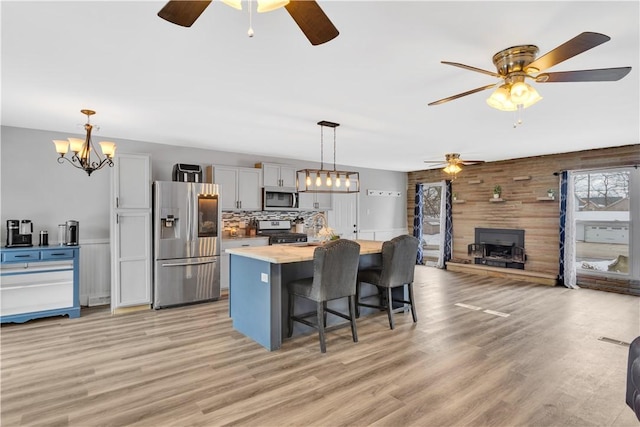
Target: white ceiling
(212, 86)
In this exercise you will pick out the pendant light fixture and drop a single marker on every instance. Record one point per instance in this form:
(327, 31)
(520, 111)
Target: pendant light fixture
(327, 180)
(83, 150)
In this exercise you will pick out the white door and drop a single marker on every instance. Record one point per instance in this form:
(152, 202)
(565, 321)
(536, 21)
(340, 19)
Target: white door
(132, 284)
(343, 218)
(131, 256)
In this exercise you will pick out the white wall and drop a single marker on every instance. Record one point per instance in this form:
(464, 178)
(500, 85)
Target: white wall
(34, 186)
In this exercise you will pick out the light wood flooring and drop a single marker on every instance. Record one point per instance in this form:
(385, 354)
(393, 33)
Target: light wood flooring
(542, 365)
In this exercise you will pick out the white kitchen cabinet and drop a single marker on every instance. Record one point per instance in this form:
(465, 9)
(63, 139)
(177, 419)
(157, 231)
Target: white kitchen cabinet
(240, 188)
(132, 183)
(235, 243)
(314, 201)
(131, 256)
(276, 175)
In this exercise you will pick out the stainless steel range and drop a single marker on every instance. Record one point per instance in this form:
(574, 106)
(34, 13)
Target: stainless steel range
(279, 232)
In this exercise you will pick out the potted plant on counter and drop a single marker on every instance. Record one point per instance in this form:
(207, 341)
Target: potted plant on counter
(497, 190)
(551, 193)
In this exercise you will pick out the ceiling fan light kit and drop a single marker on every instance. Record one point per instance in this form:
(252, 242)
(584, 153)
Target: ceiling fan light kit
(517, 63)
(311, 19)
(263, 5)
(454, 164)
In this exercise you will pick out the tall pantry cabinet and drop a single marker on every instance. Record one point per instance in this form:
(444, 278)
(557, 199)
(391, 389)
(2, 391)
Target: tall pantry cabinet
(131, 228)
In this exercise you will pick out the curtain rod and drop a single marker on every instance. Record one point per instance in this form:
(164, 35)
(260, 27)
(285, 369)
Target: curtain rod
(594, 169)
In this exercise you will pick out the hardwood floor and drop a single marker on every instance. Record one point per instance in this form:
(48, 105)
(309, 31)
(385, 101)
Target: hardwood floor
(543, 364)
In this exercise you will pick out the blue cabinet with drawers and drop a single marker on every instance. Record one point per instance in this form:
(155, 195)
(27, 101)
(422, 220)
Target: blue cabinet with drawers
(39, 282)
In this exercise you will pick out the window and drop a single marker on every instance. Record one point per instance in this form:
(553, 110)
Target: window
(606, 208)
(431, 219)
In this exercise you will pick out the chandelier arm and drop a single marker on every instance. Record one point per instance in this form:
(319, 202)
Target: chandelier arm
(75, 161)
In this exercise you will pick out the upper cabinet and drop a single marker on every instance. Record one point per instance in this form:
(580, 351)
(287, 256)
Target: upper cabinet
(240, 188)
(132, 181)
(276, 175)
(315, 201)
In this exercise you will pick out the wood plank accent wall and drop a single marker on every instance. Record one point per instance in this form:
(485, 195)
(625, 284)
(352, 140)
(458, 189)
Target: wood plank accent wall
(520, 207)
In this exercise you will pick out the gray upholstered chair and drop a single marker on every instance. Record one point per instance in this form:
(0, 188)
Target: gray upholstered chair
(335, 267)
(398, 266)
(633, 377)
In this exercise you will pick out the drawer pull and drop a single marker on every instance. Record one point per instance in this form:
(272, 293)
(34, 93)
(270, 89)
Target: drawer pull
(59, 254)
(23, 256)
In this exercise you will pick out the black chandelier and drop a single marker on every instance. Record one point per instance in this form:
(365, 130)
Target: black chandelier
(83, 149)
(327, 180)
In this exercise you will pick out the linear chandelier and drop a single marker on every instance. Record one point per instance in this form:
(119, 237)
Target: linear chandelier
(83, 149)
(327, 180)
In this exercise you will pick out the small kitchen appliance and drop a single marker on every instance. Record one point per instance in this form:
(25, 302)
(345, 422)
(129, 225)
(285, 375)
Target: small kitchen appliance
(279, 199)
(187, 173)
(71, 233)
(279, 232)
(19, 233)
(44, 238)
(62, 231)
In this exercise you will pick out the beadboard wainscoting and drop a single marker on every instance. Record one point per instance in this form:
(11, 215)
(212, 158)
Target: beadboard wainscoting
(95, 272)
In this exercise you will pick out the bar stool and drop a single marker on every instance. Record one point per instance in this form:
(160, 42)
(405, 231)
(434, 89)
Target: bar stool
(335, 267)
(398, 267)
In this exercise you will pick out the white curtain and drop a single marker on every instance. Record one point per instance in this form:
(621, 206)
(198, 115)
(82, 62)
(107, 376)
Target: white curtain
(570, 234)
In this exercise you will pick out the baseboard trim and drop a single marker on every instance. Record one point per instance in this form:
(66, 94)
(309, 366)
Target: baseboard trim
(134, 308)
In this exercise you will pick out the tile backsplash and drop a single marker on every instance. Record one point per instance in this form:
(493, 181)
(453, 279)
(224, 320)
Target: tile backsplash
(237, 220)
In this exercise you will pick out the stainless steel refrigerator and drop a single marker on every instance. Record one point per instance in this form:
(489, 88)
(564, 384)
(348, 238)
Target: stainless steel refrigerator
(187, 233)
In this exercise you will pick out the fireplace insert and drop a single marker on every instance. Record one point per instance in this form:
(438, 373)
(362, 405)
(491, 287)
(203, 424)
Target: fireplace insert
(498, 247)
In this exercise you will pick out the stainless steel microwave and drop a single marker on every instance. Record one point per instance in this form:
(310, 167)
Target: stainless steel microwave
(279, 199)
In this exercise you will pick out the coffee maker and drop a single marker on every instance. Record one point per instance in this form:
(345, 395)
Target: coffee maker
(19, 233)
(71, 233)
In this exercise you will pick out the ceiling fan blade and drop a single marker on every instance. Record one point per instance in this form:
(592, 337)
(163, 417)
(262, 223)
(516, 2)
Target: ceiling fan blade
(460, 95)
(469, 67)
(181, 12)
(470, 162)
(600, 75)
(313, 22)
(578, 44)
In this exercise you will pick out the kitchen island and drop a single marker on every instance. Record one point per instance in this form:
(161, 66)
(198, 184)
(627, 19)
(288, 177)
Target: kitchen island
(258, 299)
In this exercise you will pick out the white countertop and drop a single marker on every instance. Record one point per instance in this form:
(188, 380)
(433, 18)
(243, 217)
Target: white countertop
(283, 254)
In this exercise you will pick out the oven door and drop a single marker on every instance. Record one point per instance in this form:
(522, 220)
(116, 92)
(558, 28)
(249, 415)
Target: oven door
(274, 199)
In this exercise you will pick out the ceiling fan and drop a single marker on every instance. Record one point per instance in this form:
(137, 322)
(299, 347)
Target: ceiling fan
(454, 163)
(313, 22)
(517, 63)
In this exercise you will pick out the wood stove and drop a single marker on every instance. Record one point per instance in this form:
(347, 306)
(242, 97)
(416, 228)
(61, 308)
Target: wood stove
(498, 247)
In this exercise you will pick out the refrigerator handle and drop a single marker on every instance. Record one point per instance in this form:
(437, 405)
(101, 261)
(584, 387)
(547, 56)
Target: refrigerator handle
(189, 215)
(194, 213)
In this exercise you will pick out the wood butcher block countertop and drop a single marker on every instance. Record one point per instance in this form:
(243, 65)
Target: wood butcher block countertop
(283, 254)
